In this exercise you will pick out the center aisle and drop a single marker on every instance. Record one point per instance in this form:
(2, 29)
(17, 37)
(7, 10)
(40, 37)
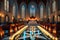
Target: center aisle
(32, 33)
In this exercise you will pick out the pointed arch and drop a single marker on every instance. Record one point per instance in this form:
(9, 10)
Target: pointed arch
(48, 9)
(15, 10)
(6, 18)
(6, 5)
(41, 8)
(54, 10)
(54, 5)
(23, 10)
(32, 7)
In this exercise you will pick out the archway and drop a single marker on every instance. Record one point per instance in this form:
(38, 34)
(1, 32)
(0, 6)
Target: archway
(23, 10)
(15, 10)
(41, 10)
(32, 8)
(6, 18)
(48, 12)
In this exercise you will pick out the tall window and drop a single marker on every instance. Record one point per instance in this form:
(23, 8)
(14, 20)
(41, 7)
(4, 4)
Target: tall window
(32, 11)
(23, 11)
(49, 11)
(54, 6)
(6, 5)
(14, 10)
(54, 10)
(41, 12)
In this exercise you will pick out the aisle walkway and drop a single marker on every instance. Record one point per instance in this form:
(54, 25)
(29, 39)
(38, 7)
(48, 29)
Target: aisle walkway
(33, 33)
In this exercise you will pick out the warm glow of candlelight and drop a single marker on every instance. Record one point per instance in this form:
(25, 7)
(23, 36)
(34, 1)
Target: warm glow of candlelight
(18, 16)
(54, 31)
(0, 14)
(11, 30)
(12, 18)
(15, 28)
(49, 29)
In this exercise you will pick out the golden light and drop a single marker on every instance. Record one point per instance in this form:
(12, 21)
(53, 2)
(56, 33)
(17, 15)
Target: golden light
(18, 16)
(49, 29)
(54, 31)
(16, 24)
(55, 16)
(46, 27)
(12, 17)
(12, 24)
(18, 27)
(32, 19)
(47, 33)
(43, 26)
(15, 28)
(0, 14)
(11, 30)
(1, 33)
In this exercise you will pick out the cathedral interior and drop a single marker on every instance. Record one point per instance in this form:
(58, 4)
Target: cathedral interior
(30, 19)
